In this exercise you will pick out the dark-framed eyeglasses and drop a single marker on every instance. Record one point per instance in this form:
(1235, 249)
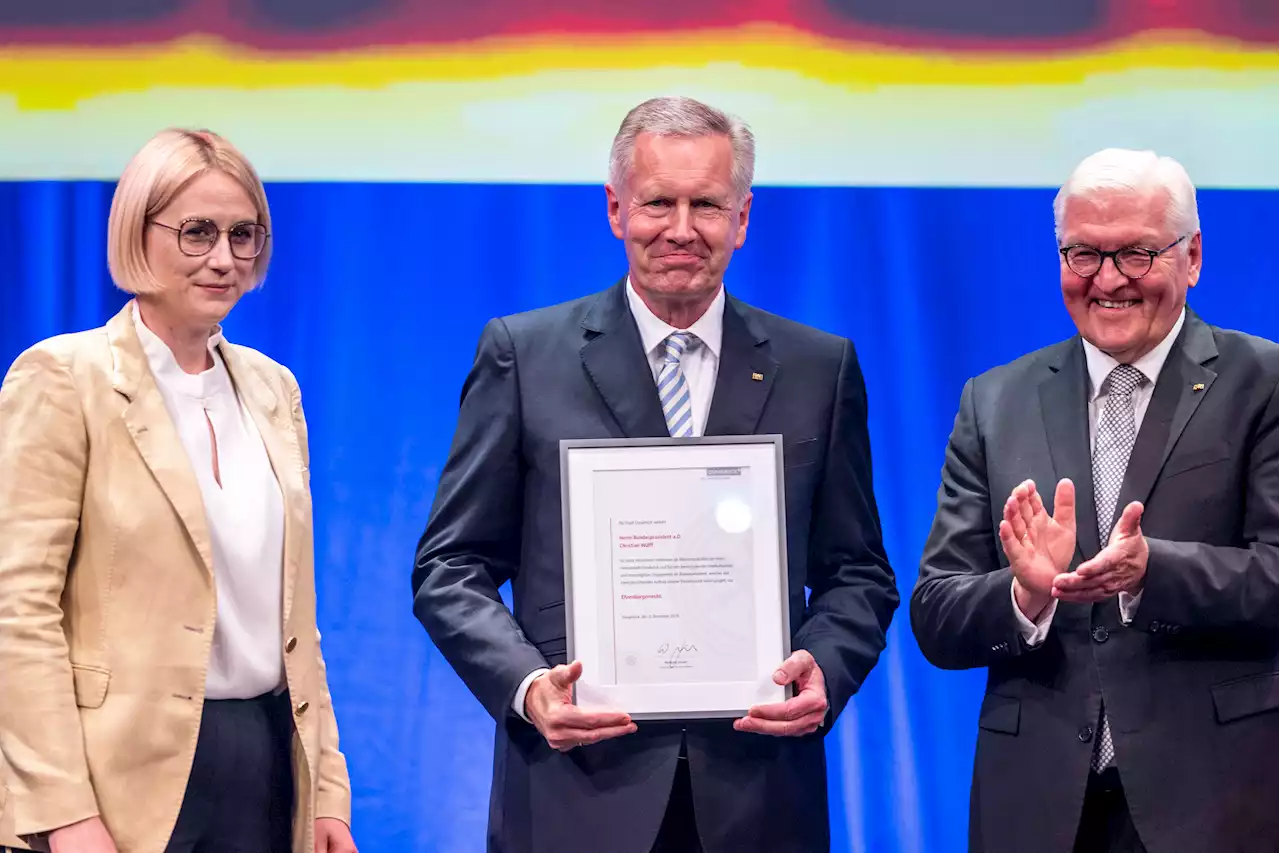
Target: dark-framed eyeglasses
(1131, 261)
(198, 236)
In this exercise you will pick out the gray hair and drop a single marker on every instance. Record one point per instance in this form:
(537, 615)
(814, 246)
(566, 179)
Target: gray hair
(683, 117)
(1122, 169)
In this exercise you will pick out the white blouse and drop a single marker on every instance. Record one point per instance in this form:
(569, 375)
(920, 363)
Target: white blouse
(245, 515)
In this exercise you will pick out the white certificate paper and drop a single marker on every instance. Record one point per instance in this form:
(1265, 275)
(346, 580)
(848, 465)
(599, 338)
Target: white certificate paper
(675, 574)
(679, 556)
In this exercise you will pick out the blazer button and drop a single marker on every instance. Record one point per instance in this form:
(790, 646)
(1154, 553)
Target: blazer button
(1085, 734)
(302, 708)
(291, 645)
(1100, 634)
(1154, 627)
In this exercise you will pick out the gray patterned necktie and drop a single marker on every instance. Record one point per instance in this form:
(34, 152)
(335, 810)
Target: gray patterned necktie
(1117, 431)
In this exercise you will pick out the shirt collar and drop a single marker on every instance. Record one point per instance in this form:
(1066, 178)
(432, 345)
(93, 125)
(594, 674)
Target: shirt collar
(160, 357)
(709, 328)
(1101, 364)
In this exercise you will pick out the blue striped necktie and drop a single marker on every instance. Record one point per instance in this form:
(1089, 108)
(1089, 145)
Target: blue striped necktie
(673, 389)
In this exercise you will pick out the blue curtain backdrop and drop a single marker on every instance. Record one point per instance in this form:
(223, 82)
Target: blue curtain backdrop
(376, 297)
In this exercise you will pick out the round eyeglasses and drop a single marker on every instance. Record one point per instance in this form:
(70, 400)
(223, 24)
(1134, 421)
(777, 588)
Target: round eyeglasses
(1131, 261)
(198, 236)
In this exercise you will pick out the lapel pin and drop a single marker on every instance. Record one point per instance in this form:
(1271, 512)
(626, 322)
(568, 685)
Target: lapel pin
(1199, 386)
(759, 377)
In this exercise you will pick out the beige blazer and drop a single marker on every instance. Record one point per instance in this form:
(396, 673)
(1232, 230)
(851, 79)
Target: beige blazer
(107, 594)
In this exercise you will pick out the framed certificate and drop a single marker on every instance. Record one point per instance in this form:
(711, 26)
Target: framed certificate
(675, 573)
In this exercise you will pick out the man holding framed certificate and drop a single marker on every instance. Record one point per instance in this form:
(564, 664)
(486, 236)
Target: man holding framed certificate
(661, 471)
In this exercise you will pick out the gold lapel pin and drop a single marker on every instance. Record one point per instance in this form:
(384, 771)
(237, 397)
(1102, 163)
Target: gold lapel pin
(759, 377)
(1199, 386)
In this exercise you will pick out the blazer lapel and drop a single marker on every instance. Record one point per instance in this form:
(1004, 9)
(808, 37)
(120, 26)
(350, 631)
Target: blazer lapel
(151, 427)
(263, 406)
(1182, 384)
(1064, 405)
(615, 360)
(744, 377)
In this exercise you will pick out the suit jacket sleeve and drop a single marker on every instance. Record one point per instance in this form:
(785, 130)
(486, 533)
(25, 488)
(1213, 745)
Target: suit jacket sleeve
(852, 591)
(961, 611)
(471, 545)
(44, 452)
(1195, 585)
(333, 786)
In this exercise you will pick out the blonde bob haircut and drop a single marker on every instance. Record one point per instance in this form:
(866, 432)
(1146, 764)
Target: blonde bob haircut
(157, 173)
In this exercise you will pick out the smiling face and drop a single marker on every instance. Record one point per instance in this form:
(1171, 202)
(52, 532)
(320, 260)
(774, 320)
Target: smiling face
(1126, 318)
(199, 291)
(679, 217)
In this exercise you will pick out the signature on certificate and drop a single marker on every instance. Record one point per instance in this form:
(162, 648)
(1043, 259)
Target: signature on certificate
(675, 654)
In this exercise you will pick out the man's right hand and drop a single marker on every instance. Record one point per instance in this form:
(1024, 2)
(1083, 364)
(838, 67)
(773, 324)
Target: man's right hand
(87, 836)
(549, 706)
(1039, 546)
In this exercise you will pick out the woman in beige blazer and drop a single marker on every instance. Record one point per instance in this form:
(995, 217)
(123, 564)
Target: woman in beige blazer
(161, 683)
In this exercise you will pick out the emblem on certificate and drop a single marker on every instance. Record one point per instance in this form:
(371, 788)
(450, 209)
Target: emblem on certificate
(675, 573)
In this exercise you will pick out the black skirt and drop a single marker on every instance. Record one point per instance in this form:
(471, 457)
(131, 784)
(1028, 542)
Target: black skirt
(239, 797)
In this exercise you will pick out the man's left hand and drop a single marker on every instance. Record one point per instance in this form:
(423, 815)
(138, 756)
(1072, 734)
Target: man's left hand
(1119, 567)
(803, 713)
(333, 836)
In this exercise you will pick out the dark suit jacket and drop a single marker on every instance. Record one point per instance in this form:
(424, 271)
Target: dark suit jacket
(1190, 685)
(577, 370)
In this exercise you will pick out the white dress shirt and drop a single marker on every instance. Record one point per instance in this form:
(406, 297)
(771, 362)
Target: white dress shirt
(701, 364)
(1100, 366)
(245, 514)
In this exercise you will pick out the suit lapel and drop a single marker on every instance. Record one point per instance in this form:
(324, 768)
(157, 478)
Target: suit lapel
(1181, 385)
(151, 427)
(263, 406)
(1064, 405)
(615, 360)
(744, 377)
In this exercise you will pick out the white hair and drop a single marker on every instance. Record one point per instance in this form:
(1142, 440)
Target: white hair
(683, 117)
(1126, 170)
